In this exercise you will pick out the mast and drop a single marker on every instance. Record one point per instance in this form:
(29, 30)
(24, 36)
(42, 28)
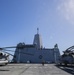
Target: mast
(38, 40)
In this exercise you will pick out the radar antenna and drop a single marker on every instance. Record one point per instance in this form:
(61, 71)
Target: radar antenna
(37, 30)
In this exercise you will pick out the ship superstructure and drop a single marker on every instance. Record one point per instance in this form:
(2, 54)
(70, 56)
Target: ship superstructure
(36, 52)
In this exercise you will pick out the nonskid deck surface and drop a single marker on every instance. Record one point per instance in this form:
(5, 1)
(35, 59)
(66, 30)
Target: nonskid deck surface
(34, 69)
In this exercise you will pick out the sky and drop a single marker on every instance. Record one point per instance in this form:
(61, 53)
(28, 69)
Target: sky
(19, 20)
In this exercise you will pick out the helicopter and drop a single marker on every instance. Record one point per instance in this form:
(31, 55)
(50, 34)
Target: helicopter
(5, 53)
(68, 56)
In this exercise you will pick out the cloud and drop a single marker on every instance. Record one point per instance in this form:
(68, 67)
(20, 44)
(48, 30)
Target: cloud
(66, 9)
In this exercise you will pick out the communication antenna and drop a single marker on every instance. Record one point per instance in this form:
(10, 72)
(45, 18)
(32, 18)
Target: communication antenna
(37, 30)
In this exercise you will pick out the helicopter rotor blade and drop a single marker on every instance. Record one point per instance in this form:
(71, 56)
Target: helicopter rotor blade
(2, 48)
(20, 46)
(10, 47)
(19, 52)
(8, 53)
(9, 50)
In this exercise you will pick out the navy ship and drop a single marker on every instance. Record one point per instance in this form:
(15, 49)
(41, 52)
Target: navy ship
(36, 53)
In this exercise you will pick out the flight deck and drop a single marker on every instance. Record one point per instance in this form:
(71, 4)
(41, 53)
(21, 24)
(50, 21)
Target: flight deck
(35, 69)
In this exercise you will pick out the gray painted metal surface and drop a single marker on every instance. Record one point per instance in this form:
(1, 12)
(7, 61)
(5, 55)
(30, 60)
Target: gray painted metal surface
(33, 69)
(46, 55)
